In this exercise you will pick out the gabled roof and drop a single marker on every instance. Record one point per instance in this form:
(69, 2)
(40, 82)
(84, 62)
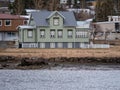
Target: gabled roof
(9, 16)
(40, 18)
(55, 13)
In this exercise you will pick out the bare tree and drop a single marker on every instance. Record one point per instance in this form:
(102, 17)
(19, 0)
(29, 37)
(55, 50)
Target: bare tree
(83, 15)
(53, 5)
(18, 6)
(38, 4)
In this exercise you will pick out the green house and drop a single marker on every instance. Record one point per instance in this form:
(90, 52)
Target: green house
(52, 29)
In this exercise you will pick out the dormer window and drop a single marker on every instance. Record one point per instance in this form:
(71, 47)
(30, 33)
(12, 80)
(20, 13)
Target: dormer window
(56, 21)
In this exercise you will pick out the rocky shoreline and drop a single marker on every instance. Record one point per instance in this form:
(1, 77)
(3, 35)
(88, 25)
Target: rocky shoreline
(12, 62)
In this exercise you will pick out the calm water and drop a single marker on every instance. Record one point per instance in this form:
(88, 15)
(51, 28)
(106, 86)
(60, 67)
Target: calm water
(59, 79)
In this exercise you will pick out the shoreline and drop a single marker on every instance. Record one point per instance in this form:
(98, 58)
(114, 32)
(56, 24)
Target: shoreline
(37, 63)
(12, 58)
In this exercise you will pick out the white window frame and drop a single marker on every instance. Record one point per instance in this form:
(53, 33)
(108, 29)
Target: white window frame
(52, 33)
(56, 21)
(30, 33)
(1, 23)
(60, 33)
(9, 24)
(42, 33)
(70, 32)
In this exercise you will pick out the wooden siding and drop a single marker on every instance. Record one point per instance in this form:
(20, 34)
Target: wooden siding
(13, 26)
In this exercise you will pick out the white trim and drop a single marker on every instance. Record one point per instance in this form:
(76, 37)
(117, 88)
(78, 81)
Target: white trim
(54, 13)
(26, 27)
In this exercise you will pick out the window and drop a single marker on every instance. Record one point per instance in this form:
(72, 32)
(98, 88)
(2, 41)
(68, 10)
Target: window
(56, 21)
(52, 45)
(70, 33)
(7, 22)
(117, 27)
(30, 33)
(78, 33)
(0, 22)
(42, 33)
(81, 34)
(11, 34)
(60, 33)
(52, 33)
(25, 22)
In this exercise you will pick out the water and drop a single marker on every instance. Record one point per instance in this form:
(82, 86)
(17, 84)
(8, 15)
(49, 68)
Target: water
(59, 80)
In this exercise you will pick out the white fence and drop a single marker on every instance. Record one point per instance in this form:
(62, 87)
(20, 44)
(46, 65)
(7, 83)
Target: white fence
(100, 46)
(95, 46)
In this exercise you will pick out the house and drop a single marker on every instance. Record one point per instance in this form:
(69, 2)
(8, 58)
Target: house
(51, 29)
(4, 10)
(4, 6)
(108, 30)
(8, 25)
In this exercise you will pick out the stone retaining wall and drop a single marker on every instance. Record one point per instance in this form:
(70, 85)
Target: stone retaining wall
(62, 59)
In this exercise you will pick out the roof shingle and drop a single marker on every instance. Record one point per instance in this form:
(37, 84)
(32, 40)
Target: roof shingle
(41, 16)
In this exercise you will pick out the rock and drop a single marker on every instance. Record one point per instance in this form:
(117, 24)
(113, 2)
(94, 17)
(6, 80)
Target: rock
(4, 65)
(1, 66)
(31, 61)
